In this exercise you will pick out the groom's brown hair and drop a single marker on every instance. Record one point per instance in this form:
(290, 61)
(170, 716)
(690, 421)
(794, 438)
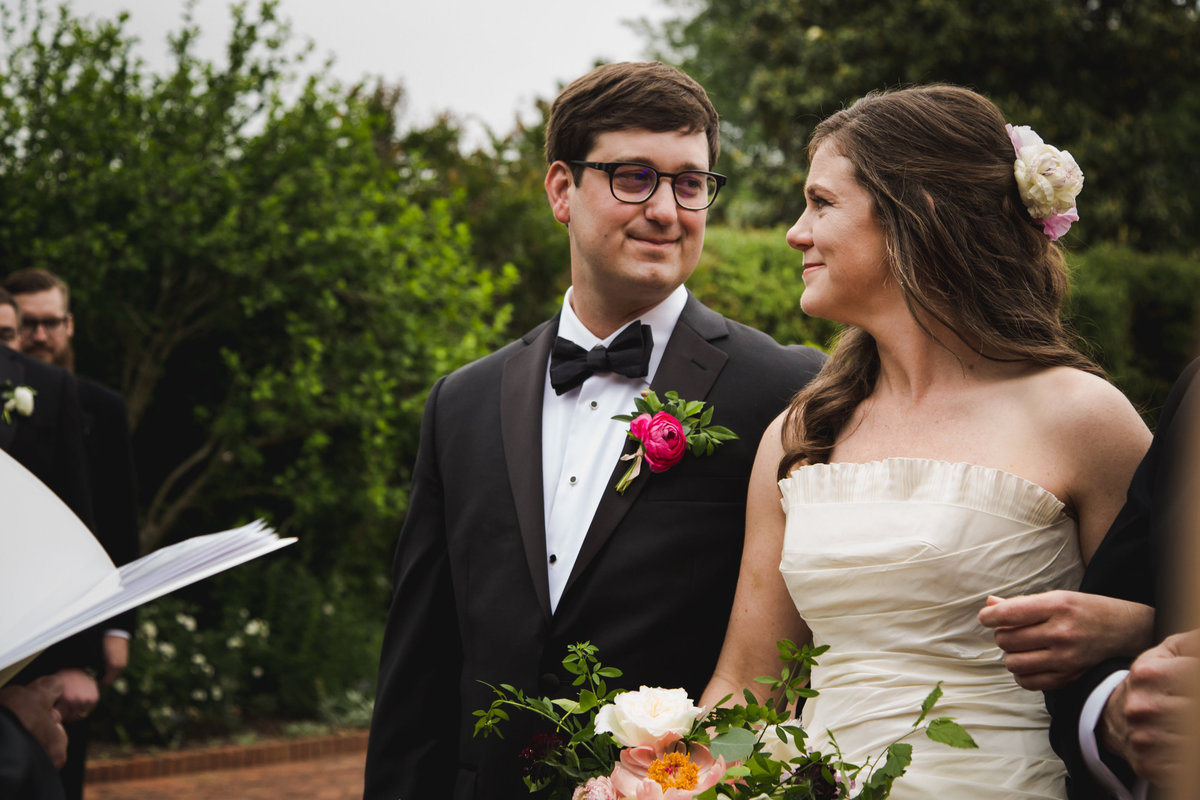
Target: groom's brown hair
(626, 96)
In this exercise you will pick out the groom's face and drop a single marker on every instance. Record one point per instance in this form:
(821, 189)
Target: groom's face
(627, 257)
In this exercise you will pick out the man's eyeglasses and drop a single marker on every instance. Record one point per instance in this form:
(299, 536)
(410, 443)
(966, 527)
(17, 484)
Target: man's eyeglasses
(694, 190)
(29, 326)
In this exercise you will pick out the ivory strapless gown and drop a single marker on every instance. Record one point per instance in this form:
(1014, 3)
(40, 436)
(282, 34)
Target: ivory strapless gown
(889, 562)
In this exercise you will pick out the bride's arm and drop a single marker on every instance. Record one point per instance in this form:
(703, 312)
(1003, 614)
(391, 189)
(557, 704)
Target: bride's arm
(1103, 440)
(763, 611)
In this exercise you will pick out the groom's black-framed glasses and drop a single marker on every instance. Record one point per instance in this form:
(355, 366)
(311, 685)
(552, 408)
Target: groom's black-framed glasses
(629, 182)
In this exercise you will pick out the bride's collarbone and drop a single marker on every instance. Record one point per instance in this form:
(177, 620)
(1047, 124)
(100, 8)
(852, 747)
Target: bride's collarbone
(997, 440)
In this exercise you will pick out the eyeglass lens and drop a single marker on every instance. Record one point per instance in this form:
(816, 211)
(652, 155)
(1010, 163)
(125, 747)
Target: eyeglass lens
(633, 183)
(29, 326)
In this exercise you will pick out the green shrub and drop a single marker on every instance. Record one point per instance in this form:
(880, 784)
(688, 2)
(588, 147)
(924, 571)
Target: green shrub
(186, 677)
(268, 641)
(1138, 314)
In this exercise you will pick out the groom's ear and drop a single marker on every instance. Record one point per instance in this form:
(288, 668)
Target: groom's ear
(559, 184)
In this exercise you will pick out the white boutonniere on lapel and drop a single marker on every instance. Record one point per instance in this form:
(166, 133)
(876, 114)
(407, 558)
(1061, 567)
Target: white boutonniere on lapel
(665, 431)
(15, 398)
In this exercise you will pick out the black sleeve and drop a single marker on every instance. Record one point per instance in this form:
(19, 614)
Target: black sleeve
(414, 730)
(25, 770)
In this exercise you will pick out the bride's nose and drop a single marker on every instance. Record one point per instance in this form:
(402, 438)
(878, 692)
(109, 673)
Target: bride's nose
(799, 236)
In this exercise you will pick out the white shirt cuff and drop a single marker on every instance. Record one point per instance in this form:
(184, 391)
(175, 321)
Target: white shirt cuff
(1089, 717)
(118, 632)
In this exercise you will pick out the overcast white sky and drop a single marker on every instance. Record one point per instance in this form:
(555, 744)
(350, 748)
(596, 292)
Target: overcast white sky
(486, 60)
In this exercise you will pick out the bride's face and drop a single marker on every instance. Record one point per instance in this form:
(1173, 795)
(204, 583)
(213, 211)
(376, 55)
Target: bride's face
(845, 255)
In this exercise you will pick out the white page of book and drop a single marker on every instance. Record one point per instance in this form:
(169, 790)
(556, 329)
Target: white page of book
(56, 580)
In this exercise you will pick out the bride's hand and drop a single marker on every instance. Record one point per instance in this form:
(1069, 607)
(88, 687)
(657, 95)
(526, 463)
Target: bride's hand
(1049, 639)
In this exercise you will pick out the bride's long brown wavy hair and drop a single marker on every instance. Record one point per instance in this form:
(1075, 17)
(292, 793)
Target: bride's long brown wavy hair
(938, 163)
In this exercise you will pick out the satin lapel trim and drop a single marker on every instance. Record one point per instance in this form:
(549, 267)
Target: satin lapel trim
(521, 388)
(13, 371)
(690, 366)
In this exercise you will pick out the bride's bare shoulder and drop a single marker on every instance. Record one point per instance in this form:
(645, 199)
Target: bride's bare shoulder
(1066, 394)
(772, 443)
(1078, 407)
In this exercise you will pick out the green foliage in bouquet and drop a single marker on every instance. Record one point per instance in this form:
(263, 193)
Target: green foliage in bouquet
(588, 758)
(576, 752)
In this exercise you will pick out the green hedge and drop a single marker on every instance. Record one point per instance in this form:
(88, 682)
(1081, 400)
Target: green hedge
(1139, 315)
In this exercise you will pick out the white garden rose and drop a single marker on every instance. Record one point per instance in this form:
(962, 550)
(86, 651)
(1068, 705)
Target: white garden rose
(1049, 178)
(641, 718)
(23, 400)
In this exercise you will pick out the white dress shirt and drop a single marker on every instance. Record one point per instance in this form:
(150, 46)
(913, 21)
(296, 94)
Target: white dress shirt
(1089, 718)
(581, 441)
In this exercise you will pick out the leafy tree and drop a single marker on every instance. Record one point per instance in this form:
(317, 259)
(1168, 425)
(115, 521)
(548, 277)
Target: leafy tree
(244, 268)
(1113, 81)
(501, 190)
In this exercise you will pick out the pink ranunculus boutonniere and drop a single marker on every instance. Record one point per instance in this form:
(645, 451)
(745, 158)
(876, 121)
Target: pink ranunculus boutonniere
(665, 431)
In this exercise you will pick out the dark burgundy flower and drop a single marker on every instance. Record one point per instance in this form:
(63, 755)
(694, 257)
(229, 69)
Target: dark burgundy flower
(540, 746)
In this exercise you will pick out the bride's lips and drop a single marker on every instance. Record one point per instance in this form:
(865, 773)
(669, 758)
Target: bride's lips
(811, 268)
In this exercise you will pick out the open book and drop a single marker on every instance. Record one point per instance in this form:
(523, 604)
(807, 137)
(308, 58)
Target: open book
(56, 580)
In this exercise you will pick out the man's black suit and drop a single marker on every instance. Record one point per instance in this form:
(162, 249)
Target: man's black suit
(48, 443)
(1131, 563)
(26, 772)
(109, 453)
(652, 585)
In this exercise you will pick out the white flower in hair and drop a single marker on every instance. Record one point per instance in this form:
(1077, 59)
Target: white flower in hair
(1048, 178)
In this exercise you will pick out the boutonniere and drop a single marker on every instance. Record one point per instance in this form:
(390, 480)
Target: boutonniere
(16, 398)
(665, 431)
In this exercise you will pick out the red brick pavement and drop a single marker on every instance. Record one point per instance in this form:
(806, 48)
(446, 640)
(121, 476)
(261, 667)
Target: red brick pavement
(329, 778)
(327, 771)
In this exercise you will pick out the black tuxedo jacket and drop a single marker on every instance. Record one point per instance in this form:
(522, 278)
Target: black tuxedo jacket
(109, 453)
(1132, 563)
(652, 586)
(49, 443)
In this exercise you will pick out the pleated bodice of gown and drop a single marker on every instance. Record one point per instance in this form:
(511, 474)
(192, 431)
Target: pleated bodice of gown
(889, 563)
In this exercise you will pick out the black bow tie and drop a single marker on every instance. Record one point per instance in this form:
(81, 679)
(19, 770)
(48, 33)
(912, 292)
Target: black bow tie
(628, 355)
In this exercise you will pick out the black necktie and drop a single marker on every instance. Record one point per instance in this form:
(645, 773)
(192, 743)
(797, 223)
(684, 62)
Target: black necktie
(628, 355)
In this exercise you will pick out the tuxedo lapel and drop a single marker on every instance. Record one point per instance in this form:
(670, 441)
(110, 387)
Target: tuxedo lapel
(521, 389)
(689, 367)
(13, 372)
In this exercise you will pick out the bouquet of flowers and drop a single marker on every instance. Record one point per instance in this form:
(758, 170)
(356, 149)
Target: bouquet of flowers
(654, 743)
